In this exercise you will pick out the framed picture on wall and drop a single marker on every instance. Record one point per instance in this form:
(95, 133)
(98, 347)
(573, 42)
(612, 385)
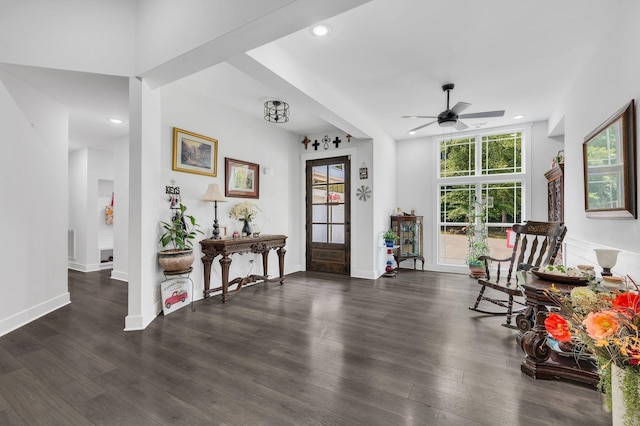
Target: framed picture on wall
(193, 153)
(241, 179)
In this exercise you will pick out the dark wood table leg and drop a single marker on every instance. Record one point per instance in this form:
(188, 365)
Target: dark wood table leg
(225, 262)
(206, 262)
(265, 262)
(281, 252)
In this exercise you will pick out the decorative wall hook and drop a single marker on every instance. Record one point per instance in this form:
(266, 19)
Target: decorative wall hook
(326, 141)
(364, 173)
(174, 195)
(306, 141)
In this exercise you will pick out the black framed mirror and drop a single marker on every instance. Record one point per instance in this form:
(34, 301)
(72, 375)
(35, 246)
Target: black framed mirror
(609, 157)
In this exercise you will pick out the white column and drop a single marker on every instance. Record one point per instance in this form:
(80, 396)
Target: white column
(145, 193)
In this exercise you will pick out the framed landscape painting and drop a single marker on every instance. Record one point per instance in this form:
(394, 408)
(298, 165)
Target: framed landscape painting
(242, 179)
(193, 153)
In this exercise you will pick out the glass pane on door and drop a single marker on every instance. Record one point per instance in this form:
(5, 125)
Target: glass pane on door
(319, 174)
(337, 234)
(319, 233)
(319, 213)
(319, 194)
(337, 214)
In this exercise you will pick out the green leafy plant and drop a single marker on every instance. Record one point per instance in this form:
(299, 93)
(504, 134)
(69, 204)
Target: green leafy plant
(477, 234)
(390, 235)
(181, 231)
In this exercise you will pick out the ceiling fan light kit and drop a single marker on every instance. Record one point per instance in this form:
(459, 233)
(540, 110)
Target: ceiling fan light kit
(450, 117)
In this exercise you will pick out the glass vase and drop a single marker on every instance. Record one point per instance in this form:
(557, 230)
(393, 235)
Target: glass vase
(246, 228)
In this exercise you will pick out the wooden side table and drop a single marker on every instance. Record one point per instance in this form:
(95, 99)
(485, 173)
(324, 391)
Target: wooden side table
(540, 361)
(225, 247)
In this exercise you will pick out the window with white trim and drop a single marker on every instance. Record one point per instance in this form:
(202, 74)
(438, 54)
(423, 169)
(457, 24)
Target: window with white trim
(484, 167)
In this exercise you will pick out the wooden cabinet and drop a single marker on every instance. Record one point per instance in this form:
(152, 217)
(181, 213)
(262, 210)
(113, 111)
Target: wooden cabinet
(555, 193)
(409, 242)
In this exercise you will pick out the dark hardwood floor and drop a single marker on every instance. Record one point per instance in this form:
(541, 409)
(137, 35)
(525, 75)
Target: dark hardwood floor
(320, 350)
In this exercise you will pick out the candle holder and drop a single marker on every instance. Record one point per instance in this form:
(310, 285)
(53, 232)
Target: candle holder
(607, 259)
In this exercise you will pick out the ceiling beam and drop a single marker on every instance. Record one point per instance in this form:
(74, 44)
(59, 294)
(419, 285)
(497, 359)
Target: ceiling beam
(278, 23)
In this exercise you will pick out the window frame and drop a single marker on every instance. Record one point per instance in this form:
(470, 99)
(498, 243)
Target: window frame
(478, 179)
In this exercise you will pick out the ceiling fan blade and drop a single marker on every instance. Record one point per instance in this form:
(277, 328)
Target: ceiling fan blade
(419, 116)
(460, 125)
(420, 127)
(459, 107)
(483, 114)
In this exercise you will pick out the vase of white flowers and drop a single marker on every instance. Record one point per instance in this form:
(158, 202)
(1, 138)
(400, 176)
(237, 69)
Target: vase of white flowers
(244, 211)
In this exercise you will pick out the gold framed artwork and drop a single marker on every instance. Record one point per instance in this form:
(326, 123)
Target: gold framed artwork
(242, 179)
(194, 153)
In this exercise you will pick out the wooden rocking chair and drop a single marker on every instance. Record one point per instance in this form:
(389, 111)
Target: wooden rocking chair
(536, 243)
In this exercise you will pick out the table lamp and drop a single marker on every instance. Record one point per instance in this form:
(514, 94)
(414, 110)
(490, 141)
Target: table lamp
(607, 259)
(214, 194)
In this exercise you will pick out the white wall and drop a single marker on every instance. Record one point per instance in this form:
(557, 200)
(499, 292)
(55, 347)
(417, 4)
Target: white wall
(360, 152)
(385, 196)
(417, 188)
(243, 138)
(120, 269)
(46, 33)
(86, 168)
(606, 84)
(168, 29)
(33, 167)
(542, 150)
(78, 182)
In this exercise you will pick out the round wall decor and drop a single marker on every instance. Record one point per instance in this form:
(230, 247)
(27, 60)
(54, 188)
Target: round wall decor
(363, 193)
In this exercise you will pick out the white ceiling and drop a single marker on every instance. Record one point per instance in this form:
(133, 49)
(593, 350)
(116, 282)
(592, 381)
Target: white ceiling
(384, 59)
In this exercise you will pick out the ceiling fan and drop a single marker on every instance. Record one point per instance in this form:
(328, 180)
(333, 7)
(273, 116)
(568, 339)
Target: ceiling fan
(450, 117)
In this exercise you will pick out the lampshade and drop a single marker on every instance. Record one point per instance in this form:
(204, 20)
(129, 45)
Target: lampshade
(213, 193)
(276, 111)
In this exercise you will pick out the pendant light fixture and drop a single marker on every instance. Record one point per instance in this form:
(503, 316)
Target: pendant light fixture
(276, 111)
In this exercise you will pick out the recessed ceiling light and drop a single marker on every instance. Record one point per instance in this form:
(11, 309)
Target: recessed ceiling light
(115, 120)
(412, 132)
(321, 30)
(518, 116)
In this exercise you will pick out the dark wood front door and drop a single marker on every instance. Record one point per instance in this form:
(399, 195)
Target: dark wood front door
(328, 215)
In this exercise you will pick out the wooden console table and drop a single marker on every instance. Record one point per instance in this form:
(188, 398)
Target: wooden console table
(540, 361)
(227, 246)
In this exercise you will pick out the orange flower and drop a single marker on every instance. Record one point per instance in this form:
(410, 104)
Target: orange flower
(601, 325)
(557, 327)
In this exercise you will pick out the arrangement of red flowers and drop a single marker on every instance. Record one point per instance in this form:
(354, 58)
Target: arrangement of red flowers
(605, 327)
(606, 324)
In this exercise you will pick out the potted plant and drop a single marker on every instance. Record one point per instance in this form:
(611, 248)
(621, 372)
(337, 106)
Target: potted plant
(179, 233)
(477, 239)
(389, 237)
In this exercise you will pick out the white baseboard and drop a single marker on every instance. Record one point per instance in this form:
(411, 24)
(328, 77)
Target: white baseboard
(120, 276)
(85, 268)
(139, 322)
(33, 313)
(106, 265)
